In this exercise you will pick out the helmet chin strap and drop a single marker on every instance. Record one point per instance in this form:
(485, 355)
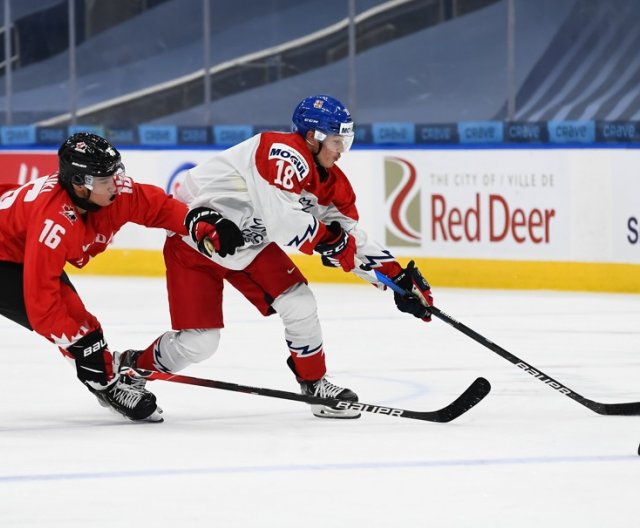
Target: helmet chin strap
(324, 174)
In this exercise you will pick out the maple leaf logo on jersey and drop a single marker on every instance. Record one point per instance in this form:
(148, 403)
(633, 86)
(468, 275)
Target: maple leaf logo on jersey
(69, 212)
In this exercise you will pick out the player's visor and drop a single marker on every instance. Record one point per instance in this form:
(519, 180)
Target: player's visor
(335, 142)
(102, 182)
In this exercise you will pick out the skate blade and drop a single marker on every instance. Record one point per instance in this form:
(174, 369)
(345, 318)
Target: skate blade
(336, 414)
(154, 417)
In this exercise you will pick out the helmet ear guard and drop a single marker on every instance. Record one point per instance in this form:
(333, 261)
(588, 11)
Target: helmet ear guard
(77, 179)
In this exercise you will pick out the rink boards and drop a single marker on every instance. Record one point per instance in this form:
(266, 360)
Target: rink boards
(563, 218)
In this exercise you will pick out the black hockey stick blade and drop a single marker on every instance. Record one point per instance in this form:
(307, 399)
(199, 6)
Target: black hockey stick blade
(468, 399)
(474, 394)
(614, 409)
(611, 409)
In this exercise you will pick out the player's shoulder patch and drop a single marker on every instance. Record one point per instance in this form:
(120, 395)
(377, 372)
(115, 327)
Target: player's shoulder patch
(285, 152)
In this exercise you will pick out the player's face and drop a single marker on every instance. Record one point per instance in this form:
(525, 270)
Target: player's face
(99, 190)
(329, 148)
(327, 158)
(103, 190)
(338, 143)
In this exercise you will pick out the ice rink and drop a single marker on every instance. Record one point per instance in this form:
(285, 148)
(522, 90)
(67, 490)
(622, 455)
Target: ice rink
(526, 456)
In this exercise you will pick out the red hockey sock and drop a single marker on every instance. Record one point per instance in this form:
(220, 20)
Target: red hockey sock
(145, 360)
(310, 368)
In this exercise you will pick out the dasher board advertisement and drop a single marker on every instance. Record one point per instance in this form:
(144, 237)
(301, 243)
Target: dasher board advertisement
(544, 205)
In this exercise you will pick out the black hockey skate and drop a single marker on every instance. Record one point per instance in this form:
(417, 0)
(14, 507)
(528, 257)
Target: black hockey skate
(323, 388)
(128, 395)
(127, 362)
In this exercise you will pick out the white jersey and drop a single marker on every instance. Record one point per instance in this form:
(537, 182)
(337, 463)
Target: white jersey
(270, 187)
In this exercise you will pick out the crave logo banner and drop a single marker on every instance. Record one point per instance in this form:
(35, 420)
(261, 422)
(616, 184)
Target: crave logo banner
(477, 204)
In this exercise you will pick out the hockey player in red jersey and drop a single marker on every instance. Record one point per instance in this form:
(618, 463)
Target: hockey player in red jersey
(272, 190)
(72, 216)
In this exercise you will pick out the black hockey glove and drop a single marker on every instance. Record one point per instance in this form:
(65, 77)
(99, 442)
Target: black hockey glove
(212, 232)
(419, 300)
(338, 248)
(93, 359)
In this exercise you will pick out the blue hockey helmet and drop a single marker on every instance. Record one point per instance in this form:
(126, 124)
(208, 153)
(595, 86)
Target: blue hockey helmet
(328, 118)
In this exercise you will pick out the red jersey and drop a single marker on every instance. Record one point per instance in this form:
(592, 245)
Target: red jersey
(41, 228)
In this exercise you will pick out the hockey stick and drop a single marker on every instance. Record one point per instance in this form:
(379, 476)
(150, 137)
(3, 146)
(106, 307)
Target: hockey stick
(613, 409)
(468, 399)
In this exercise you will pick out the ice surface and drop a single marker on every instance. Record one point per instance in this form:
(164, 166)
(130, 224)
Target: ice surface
(526, 456)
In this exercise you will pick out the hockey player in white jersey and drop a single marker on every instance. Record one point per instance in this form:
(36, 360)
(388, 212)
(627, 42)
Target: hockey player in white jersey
(274, 189)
